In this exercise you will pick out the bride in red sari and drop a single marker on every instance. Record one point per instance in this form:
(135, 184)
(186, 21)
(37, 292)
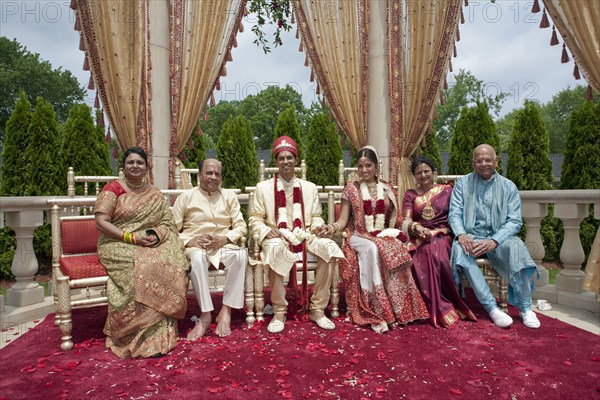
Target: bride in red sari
(379, 287)
(425, 212)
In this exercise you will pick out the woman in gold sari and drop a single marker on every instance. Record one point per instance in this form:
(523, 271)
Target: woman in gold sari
(145, 262)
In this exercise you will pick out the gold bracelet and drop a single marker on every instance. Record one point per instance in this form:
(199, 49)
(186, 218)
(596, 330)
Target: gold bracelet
(336, 227)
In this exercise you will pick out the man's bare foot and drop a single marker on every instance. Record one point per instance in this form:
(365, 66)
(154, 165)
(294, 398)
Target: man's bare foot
(224, 322)
(201, 326)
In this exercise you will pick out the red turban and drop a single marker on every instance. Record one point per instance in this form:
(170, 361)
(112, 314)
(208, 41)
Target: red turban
(285, 143)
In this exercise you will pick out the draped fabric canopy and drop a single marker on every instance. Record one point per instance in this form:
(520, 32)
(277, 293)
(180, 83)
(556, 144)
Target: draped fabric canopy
(420, 37)
(202, 34)
(115, 39)
(579, 24)
(335, 34)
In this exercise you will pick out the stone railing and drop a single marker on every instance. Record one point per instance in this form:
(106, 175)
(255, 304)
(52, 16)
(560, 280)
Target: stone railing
(25, 214)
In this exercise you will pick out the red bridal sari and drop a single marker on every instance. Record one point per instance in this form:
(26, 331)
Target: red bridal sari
(378, 282)
(431, 259)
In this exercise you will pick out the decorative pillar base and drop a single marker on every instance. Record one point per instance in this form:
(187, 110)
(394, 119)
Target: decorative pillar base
(573, 284)
(544, 278)
(24, 297)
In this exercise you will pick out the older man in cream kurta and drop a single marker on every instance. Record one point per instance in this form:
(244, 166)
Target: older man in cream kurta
(275, 225)
(210, 224)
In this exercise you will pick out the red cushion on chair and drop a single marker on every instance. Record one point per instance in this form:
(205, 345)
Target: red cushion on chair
(77, 267)
(79, 236)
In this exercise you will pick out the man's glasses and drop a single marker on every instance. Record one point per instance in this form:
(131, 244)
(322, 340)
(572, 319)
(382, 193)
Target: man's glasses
(481, 161)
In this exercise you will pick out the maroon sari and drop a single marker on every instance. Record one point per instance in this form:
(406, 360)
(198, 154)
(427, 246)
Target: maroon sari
(431, 259)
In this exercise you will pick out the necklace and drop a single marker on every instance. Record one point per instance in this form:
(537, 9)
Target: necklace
(296, 235)
(374, 216)
(134, 186)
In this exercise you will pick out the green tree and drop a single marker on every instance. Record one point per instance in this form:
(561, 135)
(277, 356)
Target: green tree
(530, 168)
(465, 90)
(237, 154)
(196, 153)
(14, 168)
(529, 165)
(323, 152)
(45, 173)
(429, 148)
(504, 127)
(21, 70)
(287, 125)
(557, 112)
(101, 142)
(84, 147)
(581, 165)
(217, 115)
(474, 127)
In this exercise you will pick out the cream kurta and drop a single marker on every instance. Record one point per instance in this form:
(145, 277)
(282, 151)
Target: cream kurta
(198, 212)
(275, 252)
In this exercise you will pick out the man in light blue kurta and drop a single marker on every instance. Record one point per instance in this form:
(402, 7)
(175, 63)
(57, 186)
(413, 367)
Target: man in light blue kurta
(485, 216)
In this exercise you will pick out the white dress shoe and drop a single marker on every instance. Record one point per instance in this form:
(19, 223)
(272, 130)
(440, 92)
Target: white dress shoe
(324, 323)
(530, 320)
(501, 319)
(276, 326)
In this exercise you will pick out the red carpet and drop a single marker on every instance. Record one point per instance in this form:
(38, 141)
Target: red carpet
(471, 361)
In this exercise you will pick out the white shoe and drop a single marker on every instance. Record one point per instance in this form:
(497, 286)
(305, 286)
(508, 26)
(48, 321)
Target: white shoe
(501, 319)
(324, 323)
(530, 320)
(276, 326)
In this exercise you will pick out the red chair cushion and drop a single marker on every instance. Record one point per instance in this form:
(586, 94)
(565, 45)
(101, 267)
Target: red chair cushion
(77, 267)
(79, 236)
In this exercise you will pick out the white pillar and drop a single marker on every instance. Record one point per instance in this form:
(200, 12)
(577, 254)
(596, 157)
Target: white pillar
(25, 265)
(158, 11)
(572, 256)
(533, 212)
(378, 99)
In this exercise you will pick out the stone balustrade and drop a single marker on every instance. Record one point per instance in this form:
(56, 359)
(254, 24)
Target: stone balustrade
(25, 214)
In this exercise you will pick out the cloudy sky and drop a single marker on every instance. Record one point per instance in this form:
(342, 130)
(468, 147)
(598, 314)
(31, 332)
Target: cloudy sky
(501, 44)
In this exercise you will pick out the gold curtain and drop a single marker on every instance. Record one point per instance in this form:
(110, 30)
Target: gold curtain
(420, 37)
(202, 33)
(115, 34)
(334, 35)
(579, 24)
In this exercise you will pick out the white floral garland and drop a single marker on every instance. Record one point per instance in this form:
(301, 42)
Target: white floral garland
(376, 223)
(297, 235)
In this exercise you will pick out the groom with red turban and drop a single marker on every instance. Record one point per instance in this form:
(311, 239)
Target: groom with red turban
(286, 216)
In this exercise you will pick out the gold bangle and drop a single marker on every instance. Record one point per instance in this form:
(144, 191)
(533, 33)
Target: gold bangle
(336, 227)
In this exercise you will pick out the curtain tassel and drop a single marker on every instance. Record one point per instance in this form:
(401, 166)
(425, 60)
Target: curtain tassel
(182, 156)
(107, 138)
(91, 85)
(445, 84)
(223, 70)
(576, 74)
(293, 19)
(212, 100)
(297, 34)
(190, 143)
(241, 27)
(73, 5)
(434, 114)
(536, 7)
(318, 89)
(101, 119)
(450, 65)
(301, 47)
(96, 102)
(218, 85)
(306, 61)
(589, 96)
(565, 56)
(312, 75)
(229, 56)
(544, 23)
(466, 3)
(81, 42)
(115, 152)
(86, 64)
(554, 38)
(77, 26)
(442, 102)
(455, 53)
(235, 41)
(198, 131)
(205, 116)
(462, 16)
(457, 34)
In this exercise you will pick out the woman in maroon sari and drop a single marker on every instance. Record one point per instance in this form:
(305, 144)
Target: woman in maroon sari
(425, 212)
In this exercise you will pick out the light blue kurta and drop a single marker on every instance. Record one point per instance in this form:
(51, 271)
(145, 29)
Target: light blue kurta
(492, 210)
